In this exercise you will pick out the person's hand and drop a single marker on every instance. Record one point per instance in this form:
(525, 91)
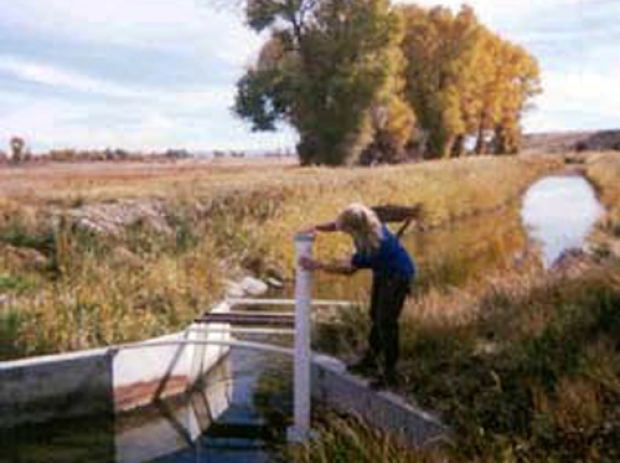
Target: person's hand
(307, 263)
(307, 231)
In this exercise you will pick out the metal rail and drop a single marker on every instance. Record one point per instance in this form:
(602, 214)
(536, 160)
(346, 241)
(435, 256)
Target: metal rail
(231, 330)
(208, 342)
(286, 302)
(249, 319)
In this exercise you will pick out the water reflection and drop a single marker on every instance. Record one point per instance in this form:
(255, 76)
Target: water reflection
(73, 441)
(173, 425)
(255, 418)
(559, 213)
(222, 420)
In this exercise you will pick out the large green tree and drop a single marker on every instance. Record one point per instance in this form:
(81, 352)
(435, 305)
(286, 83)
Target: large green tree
(327, 67)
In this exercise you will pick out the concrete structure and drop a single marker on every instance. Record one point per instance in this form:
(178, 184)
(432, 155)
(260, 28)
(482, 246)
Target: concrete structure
(116, 379)
(334, 387)
(107, 380)
(175, 424)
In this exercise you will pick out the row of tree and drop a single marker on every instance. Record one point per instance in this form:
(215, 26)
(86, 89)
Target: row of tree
(21, 154)
(365, 81)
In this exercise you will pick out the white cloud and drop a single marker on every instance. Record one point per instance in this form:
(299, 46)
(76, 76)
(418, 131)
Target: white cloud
(98, 111)
(215, 96)
(175, 120)
(158, 24)
(58, 77)
(579, 99)
(583, 91)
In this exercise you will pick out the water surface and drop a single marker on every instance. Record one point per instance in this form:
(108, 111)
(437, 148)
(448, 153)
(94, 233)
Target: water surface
(238, 415)
(559, 213)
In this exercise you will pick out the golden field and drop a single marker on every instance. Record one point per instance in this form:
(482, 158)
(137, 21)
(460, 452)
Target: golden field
(162, 237)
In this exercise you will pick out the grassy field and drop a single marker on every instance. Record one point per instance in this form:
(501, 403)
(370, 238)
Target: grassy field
(522, 364)
(96, 254)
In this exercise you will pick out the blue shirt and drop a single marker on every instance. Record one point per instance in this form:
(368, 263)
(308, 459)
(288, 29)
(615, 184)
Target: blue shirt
(391, 258)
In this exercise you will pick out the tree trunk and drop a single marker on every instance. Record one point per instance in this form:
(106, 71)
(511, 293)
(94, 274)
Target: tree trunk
(458, 148)
(480, 142)
(499, 142)
(448, 146)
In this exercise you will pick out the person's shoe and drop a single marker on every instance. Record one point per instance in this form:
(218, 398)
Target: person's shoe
(365, 366)
(385, 381)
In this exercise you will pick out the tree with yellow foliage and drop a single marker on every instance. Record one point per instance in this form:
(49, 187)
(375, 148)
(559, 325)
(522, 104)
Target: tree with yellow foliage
(464, 81)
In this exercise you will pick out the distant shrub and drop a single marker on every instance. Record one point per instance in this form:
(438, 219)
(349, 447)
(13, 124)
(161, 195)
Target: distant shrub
(177, 154)
(581, 146)
(18, 146)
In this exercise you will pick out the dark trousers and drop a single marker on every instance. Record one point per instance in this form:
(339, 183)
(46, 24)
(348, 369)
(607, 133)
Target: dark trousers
(388, 297)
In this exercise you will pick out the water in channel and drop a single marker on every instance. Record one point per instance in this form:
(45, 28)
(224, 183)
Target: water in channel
(241, 413)
(559, 213)
(555, 214)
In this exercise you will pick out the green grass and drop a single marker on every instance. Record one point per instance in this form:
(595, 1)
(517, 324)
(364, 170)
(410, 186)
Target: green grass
(10, 324)
(536, 377)
(524, 368)
(345, 440)
(16, 284)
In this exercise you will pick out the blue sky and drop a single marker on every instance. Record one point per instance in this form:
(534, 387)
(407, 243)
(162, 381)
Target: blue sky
(152, 74)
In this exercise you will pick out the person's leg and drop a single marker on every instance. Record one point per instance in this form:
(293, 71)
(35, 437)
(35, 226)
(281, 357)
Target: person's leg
(374, 337)
(369, 361)
(392, 301)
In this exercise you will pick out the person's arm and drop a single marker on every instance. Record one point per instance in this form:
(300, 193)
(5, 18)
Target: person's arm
(343, 267)
(326, 227)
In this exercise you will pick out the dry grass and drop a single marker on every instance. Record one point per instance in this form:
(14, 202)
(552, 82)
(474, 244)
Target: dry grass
(523, 367)
(604, 170)
(78, 288)
(65, 183)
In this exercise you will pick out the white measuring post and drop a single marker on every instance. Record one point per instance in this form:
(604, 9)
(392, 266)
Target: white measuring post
(300, 430)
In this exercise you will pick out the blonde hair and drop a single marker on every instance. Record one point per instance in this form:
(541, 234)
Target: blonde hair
(363, 224)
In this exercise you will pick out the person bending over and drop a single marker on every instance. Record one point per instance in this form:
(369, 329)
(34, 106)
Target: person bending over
(393, 270)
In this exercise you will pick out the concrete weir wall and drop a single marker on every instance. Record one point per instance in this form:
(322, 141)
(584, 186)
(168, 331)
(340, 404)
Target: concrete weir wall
(119, 378)
(333, 386)
(106, 380)
(168, 426)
